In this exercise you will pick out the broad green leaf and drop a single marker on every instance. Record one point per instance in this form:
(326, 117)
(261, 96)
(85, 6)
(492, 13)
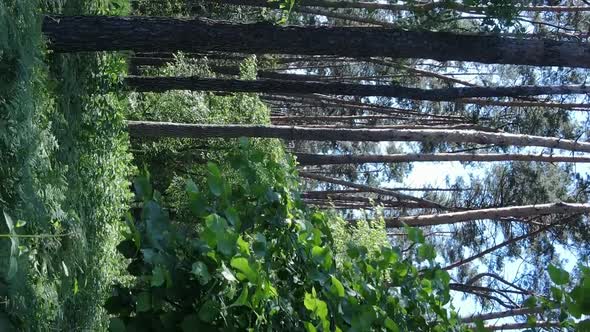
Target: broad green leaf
(337, 288)
(259, 245)
(242, 299)
(241, 264)
(391, 325)
(199, 269)
(208, 311)
(158, 276)
(558, 275)
(415, 235)
(426, 252)
(214, 179)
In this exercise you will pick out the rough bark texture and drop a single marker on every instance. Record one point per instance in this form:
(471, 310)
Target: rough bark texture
(161, 84)
(159, 34)
(496, 213)
(402, 7)
(167, 129)
(321, 159)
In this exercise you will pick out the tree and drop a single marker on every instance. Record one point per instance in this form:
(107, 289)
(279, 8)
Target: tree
(161, 84)
(167, 129)
(102, 33)
(495, 213)
(320, 159)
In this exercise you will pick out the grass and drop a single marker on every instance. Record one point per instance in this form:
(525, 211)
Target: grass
(64, 171)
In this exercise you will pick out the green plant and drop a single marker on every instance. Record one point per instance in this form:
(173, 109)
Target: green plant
(253, 257)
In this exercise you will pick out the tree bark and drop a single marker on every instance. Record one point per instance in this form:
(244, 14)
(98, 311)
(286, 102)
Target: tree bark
(161, 84)
(520, 103)
(496, 213)
(187, 130)
(402, 7)
(320, 159)
(520, 326)
(160, 34)
(502, 314)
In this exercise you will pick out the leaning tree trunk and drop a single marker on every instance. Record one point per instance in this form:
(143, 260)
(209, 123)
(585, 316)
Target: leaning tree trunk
(187, 130)
(161, 84)
(160, 34)
(322, 159)
(494, 213)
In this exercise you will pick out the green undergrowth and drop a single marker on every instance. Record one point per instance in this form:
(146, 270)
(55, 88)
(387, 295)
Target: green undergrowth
(64, 173)
(174, 159)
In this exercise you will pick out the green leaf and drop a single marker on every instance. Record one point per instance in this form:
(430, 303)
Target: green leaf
(199, 270)
(391, 325)
(241, 264)
(243, 246)
(337, 288)
(259, 245)
(214, 179)
(208, 311)
(143, 302)
(242, 299)
(158, 276)
(309, 327)
(426, 252)
(558, 275)
(415, 235)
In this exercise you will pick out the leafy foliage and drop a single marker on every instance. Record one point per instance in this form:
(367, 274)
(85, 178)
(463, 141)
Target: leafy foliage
(253, 257)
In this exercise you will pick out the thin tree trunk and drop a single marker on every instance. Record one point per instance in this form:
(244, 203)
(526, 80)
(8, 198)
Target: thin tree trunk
(502, 314)
(321, 159)
(495, 213)
(520, 326)
(380, 191)
(498, 246)
(187, 130)
(160, 34)
(161, 84)
(487, 102)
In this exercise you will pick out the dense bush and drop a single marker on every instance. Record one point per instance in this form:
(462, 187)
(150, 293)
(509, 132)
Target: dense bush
(254, 257)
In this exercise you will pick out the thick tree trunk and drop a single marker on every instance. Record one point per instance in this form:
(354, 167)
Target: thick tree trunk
(502, 314)
(235, 71)
(187, 130)
(161, 84)
(321, 159)
(159, 34)
(496, 213)
(402, 7)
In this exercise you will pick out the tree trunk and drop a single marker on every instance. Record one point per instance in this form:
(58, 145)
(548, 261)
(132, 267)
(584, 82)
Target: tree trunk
(398, 195)
(495, 213)
(187, 130)
(498, 246)
(402, 7)
(521, 326)
(161, 84)
(320, 159)
(502, 314)
(487, 102)
(160, 34)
